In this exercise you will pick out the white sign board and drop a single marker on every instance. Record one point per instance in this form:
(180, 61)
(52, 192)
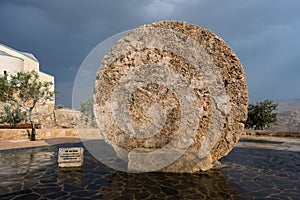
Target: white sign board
(70, 157)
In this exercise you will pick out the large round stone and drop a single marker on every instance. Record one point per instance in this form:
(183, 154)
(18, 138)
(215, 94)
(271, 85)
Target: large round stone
(171, 96)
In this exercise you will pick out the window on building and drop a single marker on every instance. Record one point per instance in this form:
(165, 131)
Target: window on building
(5, 72)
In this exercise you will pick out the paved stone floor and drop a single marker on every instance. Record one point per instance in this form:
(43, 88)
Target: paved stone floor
(252, 172)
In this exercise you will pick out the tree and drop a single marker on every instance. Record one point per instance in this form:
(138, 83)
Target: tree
(12, 114)
(261, 115)
(87, 112)
(25, 90)
(60, 106)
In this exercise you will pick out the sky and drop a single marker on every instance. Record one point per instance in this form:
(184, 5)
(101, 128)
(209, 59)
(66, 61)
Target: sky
(61, 33)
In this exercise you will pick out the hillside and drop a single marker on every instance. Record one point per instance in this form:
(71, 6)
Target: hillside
(288, 118)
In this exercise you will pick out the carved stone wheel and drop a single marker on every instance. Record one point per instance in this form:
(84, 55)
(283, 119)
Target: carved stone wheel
(171, 96)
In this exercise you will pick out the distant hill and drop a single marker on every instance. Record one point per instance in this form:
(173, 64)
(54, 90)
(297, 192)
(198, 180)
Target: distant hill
(288, 117)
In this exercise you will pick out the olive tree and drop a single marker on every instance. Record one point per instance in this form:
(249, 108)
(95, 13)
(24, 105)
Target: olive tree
(87, 112)
(12, 114)
(26, 90)
(261, 115)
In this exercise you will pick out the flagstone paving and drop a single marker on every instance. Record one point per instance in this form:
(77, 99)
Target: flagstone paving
(251, 172)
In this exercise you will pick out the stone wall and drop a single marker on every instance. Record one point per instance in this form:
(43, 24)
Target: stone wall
(48, 117)
(15, 134)
(56, 118)
(272, 133)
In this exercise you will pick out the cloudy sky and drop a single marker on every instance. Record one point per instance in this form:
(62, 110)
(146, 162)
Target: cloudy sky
(61, 33)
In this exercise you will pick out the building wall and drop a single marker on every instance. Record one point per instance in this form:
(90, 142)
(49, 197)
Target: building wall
(47, 78)
(17, 61)
(29, 63)
(10, 64)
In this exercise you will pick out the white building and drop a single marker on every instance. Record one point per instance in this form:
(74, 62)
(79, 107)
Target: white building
(13, 61)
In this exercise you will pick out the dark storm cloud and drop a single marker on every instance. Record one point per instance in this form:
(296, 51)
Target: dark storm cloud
(61, 33)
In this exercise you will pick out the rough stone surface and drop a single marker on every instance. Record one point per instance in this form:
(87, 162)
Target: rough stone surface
(48, 117)
(176, 85)
(22, 134)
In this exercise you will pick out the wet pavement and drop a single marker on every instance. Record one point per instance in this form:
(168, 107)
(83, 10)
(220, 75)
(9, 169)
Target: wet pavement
(251, 172)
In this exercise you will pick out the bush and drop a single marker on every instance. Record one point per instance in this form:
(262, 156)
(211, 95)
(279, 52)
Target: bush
(12, 114)
(261, 115)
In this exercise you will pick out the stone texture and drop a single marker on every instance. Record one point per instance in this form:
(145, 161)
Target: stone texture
(19, 134)
(57, 118)
(174, 86)
(272, 133)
